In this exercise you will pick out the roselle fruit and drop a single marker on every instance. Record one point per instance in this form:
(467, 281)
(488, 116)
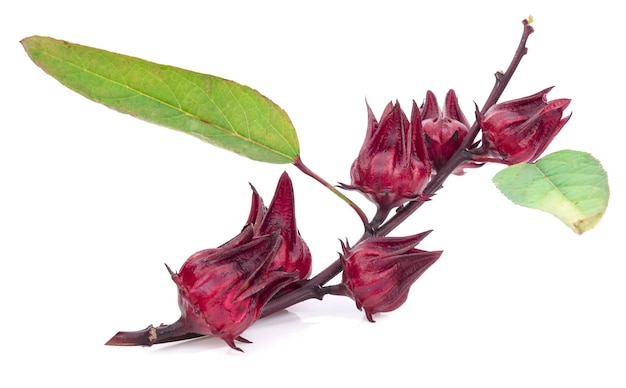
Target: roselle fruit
(378, 272)
(520, 130)
(444, 130)
(222, 291)
(392, 166)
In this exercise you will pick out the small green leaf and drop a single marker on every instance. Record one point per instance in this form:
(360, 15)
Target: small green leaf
(570, 185)
(218, 111)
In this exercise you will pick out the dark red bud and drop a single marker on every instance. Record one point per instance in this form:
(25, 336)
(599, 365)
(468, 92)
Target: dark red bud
(444, 131)
(222, 291)
(392, 166)
(378, 272)
(520, 130)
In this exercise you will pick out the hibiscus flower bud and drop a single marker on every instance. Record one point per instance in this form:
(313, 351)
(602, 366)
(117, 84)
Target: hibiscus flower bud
(392, 166)
(443, 130)
(294, 254)
(518, 131)
(378, 272)
(222, 291)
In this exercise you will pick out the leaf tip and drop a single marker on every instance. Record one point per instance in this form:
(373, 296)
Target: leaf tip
(25, 42)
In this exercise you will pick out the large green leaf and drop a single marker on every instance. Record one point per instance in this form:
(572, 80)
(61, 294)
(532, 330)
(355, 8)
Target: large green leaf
(218, 111)
(571, 185)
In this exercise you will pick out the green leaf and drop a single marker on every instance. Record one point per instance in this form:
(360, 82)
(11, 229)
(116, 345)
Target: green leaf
(571, 185)
(218, 111)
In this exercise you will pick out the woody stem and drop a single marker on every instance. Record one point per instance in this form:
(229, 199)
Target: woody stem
(502, 79)
(151, 335)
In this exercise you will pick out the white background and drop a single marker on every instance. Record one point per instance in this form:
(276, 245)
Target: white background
(93, 202)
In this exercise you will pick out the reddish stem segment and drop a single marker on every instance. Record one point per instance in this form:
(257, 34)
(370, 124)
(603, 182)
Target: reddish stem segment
(298, 163)
(151, 335)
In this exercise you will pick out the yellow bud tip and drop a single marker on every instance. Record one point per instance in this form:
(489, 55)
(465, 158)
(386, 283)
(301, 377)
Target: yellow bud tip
(530, 19)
